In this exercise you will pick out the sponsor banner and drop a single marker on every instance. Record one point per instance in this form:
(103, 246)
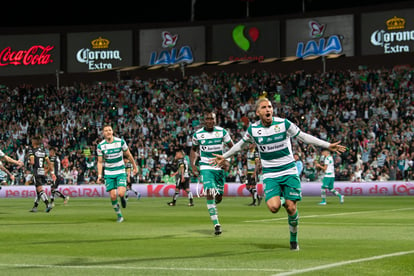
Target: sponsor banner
(246, 41)
(29, 54)
(320, 36)
(388, 32)
(390, 188)
(169, 46)
(95, 51)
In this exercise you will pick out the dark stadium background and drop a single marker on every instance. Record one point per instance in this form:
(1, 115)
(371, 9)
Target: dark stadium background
(63, 17)
(55, 13)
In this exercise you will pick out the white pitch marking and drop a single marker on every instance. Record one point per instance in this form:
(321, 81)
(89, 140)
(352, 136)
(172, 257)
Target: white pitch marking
(141, 267)
(332, 215)
(322, 267)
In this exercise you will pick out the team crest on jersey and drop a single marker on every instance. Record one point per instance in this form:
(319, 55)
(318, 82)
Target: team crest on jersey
(217, 134)
(277, 128)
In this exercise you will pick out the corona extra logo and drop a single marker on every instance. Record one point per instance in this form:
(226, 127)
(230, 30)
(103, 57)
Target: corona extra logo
(395, 23)
(395, 39)
(100, 43)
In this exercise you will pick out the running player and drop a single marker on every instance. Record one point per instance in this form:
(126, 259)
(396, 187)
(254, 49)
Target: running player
(130, 179)
(253, 163)
(182, 178)
(329, 177)
(110, 152)
(37, 159)
(272, 136)
(55, 160)
(207, 141)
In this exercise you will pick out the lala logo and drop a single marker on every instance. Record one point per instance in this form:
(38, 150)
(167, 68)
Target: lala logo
(319, 45)
(171, 54)
(168, 40)
(316, 29)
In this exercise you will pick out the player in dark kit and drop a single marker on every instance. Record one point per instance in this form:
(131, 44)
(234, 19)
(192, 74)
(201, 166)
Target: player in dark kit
(130, 179)
(37, 160)
(182, 177)
(253, 169)
(55, 160)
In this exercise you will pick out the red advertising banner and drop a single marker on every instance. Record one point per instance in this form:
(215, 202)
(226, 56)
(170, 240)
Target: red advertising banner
(29, 54)
(396, 188)
(36, 54)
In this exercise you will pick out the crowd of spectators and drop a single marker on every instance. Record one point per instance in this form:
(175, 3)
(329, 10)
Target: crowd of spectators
(370, 111)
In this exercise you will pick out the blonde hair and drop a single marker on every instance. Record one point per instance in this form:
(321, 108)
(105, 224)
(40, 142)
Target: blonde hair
(259, 101)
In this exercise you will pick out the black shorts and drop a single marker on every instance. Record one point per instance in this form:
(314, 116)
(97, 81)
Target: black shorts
(183, 185)
(59, 180)
(39, 180)
(132, 180)
(251, 181)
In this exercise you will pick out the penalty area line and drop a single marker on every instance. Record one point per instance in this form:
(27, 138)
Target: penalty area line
(322, 267)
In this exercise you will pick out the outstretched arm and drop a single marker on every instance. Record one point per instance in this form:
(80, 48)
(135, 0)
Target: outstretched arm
(193, 159)
(309, 139)
(219, 159)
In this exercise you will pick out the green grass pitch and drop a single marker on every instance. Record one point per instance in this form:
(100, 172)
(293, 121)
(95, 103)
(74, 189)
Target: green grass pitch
(364, 236)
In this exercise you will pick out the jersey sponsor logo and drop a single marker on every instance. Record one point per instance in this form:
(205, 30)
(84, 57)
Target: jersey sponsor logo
(211, 148)
(273, 147)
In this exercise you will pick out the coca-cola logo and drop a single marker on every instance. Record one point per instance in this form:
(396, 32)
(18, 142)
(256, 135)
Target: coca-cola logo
(35, 55)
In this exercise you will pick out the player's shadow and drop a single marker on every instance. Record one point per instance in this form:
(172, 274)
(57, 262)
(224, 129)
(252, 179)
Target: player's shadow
(207, 232)
(269, 246)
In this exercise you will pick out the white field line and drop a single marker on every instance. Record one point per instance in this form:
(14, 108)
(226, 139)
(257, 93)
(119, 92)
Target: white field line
(332, 215)
(322, 267)
(115, 267)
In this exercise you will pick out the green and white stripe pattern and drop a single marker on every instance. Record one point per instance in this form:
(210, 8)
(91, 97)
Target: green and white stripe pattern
(112, 154)
(209, 143)
(330, 169)
(251, 160)
(274, 146)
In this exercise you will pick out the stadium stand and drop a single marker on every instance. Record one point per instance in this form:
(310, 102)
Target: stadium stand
(370, 111)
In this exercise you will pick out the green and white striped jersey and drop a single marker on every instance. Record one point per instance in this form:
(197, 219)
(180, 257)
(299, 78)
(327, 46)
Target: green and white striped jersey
(209, 143)
(330, 169)
(112, 154)
(251, 160)
(274, 146)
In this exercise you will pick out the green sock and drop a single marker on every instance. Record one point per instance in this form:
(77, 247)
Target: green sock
(323, 195)
(335, 192)
(211, 206)
(116, 207)
(293, 222)
(282, 200)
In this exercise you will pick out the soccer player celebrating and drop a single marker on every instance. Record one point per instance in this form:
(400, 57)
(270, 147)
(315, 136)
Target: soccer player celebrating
(110, 153)
(4, 157)
(329, 177)
(207, 141)
(272, 136)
